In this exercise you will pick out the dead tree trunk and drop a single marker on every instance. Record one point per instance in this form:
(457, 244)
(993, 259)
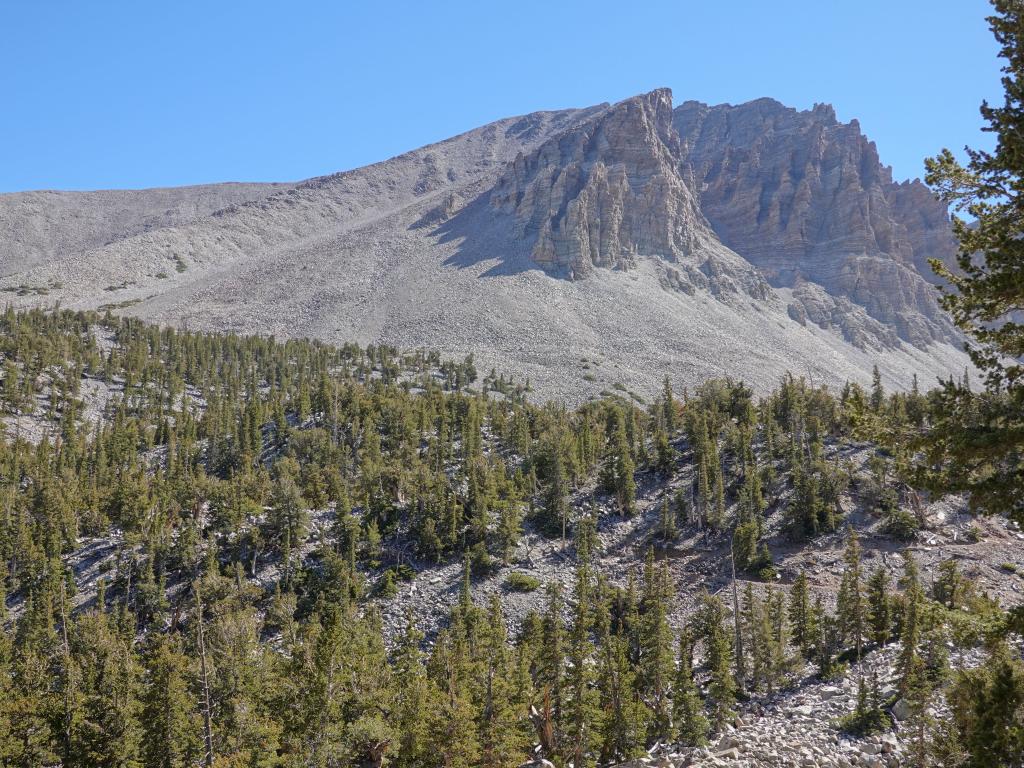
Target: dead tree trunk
(201, 640)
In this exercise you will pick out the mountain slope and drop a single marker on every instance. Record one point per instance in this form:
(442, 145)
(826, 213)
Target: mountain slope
(37, 227)
(571, 248)
(806, 199)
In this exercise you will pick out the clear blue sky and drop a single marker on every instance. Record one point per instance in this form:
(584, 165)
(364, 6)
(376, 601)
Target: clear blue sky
(134, 94)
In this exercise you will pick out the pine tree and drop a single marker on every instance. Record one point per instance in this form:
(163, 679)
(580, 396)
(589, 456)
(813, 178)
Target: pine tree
(877, 392)
(500, 738)
(828, 643)
(802, 616)
(551, 675)
(850, 601)
(879, 606)
(665, 455)
(170, 723)
(619, 467)
(655, 673)
(917, 694)
(986, 702)
(910, 624)
(759, 640)
(416, 703)
(717, 519)
(667, 523)
(948, 588)
(106, 732)
(718, 655)
(688, 718)
(775, 604)
(556, 504)
(867, 716)
(703, 492)
(668, 405)
(683, 509)
(581, 699)
(453, 742)
(622, 731)
(976, 441)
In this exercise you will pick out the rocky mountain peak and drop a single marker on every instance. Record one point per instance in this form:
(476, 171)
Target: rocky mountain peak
(605, 191)
(806, 199)
(678, 219)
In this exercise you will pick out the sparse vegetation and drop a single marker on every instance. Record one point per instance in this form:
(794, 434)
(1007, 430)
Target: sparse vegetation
(523, 582)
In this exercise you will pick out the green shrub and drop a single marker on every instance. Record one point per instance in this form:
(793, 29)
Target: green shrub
(861, 724)
(480, 561)
(386, 588)
(522, 582)
(404, 571)
(901, 524)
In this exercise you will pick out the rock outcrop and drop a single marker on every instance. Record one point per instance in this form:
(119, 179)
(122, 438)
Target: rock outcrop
(612, 190)
(806, 199)
(605, 191)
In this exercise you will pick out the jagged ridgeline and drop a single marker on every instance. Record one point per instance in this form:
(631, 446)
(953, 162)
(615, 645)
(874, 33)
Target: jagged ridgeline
(243, 551)
(646, 238)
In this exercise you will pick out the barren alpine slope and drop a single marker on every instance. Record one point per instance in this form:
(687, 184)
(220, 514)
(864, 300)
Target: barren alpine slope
(38, 227)
(584, 250)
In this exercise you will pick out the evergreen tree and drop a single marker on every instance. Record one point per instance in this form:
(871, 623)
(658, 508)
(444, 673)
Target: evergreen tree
(581, 700)
(910, 624)
(618, 464)
(667, 523)
(106, 732)
(417, 701)
(622, 727)
(656, 663)
(170, 723)
(500, 738)
(556, 503)
(851, 604)
(986, 702)
(668, 405)
(718, 655)
(551, 674)
(917, 694)
(802, 617)
(828, 643)
(977, 441)
(879, 606)
(688, 718)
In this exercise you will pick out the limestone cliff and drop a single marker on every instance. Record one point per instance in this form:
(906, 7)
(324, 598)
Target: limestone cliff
(605, 191)
(806, 199)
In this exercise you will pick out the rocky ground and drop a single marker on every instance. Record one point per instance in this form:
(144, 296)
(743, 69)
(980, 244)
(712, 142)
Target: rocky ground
(797, 728)
(794, 727)
(986, 550)
(799, 725)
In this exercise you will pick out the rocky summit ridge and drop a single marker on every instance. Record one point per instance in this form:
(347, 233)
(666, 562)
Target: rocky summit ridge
(580, 249)
(806, 199)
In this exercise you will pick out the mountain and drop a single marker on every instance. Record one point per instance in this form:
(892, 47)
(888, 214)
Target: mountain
(806, 199)
(584, 250)
(37, 227)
